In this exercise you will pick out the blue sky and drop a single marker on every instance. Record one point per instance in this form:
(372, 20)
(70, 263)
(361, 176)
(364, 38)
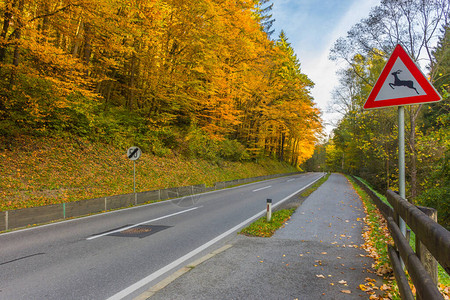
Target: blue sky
(312, 27)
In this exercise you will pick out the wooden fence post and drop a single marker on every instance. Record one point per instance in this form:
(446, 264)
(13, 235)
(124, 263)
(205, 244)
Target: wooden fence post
(427, 259)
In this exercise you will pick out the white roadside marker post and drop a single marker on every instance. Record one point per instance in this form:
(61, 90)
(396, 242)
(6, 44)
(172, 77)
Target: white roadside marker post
(269, 210)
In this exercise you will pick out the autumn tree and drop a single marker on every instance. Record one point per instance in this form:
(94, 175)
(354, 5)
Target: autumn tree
(415, 25)
(287, 118)
(365, 140)
(433, 141)
(201, 78)
(43, 86)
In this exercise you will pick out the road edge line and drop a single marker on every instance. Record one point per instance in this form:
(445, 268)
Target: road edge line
(161, 285)
(146, 280)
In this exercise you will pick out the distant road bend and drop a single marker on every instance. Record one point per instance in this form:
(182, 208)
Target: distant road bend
(120, 254)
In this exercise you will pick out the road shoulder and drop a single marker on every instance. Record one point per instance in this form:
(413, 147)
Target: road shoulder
(316, 255)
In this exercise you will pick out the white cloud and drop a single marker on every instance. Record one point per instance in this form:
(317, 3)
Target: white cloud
(312, 32)
(323, 71)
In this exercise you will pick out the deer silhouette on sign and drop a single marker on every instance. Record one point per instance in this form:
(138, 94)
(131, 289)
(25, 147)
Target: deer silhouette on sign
(398, 82)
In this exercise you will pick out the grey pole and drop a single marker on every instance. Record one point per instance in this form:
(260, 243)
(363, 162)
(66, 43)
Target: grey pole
(133, 154)
(401, 163)
(134, 177)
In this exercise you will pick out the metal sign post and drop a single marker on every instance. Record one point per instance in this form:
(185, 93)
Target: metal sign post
(401, 83)
(401, 161)
(134, 153)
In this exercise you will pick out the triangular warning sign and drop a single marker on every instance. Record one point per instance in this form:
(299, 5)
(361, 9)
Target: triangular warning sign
(401, 83)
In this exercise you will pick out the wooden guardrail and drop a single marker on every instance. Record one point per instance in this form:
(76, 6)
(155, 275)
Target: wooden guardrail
(433, 237)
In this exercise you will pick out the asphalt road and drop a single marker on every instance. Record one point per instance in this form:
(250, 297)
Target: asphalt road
(120, 254)
(317, 255)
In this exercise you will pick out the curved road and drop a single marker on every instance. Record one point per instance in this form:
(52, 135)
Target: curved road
(118, 255)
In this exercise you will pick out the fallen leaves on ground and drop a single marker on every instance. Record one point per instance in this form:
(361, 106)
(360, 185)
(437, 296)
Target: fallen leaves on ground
(445, 290)
(376, 236)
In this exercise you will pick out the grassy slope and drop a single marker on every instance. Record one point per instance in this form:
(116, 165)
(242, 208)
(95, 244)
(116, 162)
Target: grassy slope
(52, 170)
(377, 239)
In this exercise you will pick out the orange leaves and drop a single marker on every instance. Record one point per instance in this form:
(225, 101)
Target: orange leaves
(376, 237)
(384, 270)
(445, 290)
(363, 287)
(172, 64)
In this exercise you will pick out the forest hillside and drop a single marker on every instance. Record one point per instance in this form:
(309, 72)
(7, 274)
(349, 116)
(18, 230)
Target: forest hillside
(55, 170)
(200, 86)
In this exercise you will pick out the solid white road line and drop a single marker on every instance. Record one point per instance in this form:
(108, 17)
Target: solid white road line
(263, 188)
(141, 283)
(125, 209)
(142, 223)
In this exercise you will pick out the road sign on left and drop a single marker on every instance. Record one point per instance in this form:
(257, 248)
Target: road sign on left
(134, 153)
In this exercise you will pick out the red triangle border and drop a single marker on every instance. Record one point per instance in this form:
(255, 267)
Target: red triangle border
(431, 94)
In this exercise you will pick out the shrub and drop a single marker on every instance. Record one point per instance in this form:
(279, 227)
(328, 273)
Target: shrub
(233, 150)
(438, 196)
(201, 145)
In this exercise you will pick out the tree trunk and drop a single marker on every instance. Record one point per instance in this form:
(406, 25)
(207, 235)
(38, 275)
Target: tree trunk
(7, 16)
(17, 37)
(388, 175)
(131, 82)
(77, 42)
(87, 43)
(293, 156)
(45, 21)
(283, 139)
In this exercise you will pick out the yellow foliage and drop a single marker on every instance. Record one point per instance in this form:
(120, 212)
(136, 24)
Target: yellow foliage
(202, 62)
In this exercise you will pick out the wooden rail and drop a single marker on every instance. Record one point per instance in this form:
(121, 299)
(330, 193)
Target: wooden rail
(433, 236)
